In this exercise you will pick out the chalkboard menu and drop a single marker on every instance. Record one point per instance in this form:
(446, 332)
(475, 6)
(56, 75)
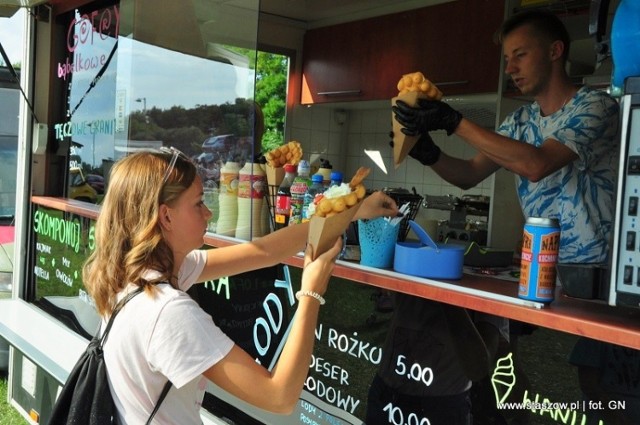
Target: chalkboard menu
(62, 242)
(253, 309)
(536, 384)
(256, 309)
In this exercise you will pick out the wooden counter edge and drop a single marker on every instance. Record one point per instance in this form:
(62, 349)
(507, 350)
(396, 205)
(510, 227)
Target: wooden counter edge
(592, 319)
(80, 208)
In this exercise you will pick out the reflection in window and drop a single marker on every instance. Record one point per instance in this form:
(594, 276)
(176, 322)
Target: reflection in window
(135, 83)
(132, 75)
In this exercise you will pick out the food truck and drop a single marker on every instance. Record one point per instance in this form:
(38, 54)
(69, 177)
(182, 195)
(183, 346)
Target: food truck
(102, 79)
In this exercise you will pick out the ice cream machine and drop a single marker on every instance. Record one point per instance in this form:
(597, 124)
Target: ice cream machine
(625, 50)
(625, 287)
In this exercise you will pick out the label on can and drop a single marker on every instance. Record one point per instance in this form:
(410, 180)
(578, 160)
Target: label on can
(540, 246)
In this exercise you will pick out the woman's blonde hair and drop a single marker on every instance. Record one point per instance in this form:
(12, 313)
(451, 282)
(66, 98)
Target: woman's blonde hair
(128, 236)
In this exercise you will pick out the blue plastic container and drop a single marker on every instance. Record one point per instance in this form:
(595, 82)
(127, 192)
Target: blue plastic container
(428, 258)
(415, 259)
(377, 242)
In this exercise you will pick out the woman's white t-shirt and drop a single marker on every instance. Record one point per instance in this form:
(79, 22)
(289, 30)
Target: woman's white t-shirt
(165, 337)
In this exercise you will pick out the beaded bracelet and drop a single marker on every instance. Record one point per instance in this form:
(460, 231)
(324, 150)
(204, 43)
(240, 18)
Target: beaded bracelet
(310, 294)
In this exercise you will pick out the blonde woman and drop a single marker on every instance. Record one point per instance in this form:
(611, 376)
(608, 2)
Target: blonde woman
(148, 235)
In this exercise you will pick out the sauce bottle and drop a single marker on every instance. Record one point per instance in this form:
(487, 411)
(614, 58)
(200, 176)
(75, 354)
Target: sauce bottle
(325, 170)
(228, 199)
(283, 197)
(252, 187)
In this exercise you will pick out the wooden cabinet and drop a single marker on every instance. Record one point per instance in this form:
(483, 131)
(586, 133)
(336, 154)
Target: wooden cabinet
(451, 43)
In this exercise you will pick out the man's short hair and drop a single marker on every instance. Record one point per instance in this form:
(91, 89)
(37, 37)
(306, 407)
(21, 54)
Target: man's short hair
(543, 23)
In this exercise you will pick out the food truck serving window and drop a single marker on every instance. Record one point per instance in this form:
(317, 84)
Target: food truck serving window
(138, 74)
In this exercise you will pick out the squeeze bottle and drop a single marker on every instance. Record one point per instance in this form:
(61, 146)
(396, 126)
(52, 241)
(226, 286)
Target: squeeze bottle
(228, 199)
(325, 170)
(283, 198)
(252, 187)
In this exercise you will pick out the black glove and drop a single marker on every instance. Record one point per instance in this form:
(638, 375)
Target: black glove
(425, 150)
(429, 115)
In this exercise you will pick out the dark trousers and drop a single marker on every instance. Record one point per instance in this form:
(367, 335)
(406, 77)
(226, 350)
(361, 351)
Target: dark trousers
(385, 407)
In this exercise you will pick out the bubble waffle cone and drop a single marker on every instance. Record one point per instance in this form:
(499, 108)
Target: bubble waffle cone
(323, 231)
(289, 153)
(411, 87)
(402, 143)
(326, 226)
(416, 82)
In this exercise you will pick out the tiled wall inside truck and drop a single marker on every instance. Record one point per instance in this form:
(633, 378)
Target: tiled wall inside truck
(319, 131)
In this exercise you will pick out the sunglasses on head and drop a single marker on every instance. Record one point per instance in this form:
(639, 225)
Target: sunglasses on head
(175, 153)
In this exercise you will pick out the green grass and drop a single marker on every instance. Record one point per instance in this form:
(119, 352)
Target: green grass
(8, 414)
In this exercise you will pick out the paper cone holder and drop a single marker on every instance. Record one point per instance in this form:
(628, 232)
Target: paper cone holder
(274, 175)
(402, 143)
(323, 231)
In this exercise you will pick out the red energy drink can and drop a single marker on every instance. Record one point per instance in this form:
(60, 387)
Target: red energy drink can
(540, 245)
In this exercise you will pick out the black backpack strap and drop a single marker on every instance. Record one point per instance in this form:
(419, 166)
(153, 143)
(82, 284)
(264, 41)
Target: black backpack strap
(115, 312)
(163, 394)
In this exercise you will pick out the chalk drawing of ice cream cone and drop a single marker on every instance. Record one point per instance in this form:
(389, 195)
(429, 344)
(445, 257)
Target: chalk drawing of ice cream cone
(503, 378)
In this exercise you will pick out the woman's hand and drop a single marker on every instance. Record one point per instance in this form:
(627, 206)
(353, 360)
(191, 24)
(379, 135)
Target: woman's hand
(376, 205)
(316, 274)
(278, 390)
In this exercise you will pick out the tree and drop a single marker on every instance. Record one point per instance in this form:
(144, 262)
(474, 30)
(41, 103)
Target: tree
(187, 128)
(272, 71)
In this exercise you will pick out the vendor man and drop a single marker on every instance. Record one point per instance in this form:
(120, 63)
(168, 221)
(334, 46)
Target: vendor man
(563, 147)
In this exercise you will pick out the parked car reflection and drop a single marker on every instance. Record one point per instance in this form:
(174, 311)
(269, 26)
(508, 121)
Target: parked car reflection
(228, 147)
(97, 182)
(79, 187)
